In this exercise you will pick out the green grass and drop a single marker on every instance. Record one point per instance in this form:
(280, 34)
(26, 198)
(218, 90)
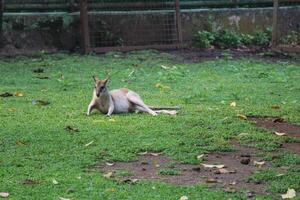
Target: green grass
(35, 144)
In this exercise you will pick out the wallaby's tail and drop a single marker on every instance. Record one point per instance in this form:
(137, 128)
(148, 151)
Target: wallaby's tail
(165, 107)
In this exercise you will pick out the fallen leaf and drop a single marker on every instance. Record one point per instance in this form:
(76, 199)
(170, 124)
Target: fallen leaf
(112, 120)
(55, 182)
(278, 175)
(243, 134)
(164, 67)
(200, 157)
(72, 129)
(154, 163)
(155, 154)
(4, 194)
(6, 94)
(213, 166)
(279, 134)
(291, 193)
(162, 87)
(20, 142)
(40, 102)
(109, 164)
(225, 171)
(88, 144)
(211, 180)
(184, 198)
(12, 110)
(110, 190)
(275, 106)
(244, 117)
(259, 164)
(62, 198)
(18, 94)
(232, 183)
(143, 153)
(233, 104)
(129, 181)
(108, 175)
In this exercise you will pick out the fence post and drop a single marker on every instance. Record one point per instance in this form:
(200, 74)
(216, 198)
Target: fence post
(84, 25)
(178, 22)
(1, 20)
(275, 24)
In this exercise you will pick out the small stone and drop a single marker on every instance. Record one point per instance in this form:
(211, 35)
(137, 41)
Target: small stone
(245, 161)
(246, 155)
(250, 194)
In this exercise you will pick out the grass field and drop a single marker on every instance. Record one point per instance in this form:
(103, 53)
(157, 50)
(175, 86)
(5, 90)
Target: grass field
(35, 145)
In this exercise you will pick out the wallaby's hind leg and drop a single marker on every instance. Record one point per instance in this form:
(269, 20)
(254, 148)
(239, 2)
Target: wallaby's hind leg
(136, 99)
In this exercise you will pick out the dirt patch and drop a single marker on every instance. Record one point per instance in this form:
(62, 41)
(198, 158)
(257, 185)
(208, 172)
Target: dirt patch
(156, 167)
(280, 126)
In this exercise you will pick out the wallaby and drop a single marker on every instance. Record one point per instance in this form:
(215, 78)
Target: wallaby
(119, 101)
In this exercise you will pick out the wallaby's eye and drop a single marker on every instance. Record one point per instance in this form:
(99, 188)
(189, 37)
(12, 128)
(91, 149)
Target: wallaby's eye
(102, 87)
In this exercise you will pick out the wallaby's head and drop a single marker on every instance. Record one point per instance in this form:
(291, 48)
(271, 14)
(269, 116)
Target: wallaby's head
(100, 86)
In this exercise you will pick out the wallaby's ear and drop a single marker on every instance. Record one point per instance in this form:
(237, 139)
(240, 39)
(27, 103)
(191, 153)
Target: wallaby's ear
(105, 80)
(94, 78)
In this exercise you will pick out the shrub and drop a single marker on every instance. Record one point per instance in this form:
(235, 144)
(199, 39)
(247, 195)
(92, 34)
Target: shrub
(227, 38)
(204, 39)
(261, 38)
(247, 39)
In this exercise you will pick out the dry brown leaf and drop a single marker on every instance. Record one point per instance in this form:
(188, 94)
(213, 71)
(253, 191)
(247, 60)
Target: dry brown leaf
(211, 180)
(20, 142)
(213, 166)
(88, 144)
(291, 193)
(275, 106)
(18, 94)
(184, 198)
(155, 163)
(108, 175)
(259, 164)
(4, 194)
(279, 134)
(233, 104)
(200, 157)
(244, 117)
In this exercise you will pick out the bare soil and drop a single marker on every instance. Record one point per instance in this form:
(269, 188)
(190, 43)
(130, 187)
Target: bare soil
(279, 125)
(148, 167)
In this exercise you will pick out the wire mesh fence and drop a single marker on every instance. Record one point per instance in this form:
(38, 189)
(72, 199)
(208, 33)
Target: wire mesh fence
(286, 32)
(132, 24)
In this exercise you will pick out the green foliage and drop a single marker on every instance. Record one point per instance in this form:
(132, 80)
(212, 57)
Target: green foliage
(262, 38)
(227, 38)
(230, 39)
(204, 39)
(292, 38)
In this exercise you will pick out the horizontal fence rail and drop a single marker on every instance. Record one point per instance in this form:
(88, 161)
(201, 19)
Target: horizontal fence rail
(72, 5)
